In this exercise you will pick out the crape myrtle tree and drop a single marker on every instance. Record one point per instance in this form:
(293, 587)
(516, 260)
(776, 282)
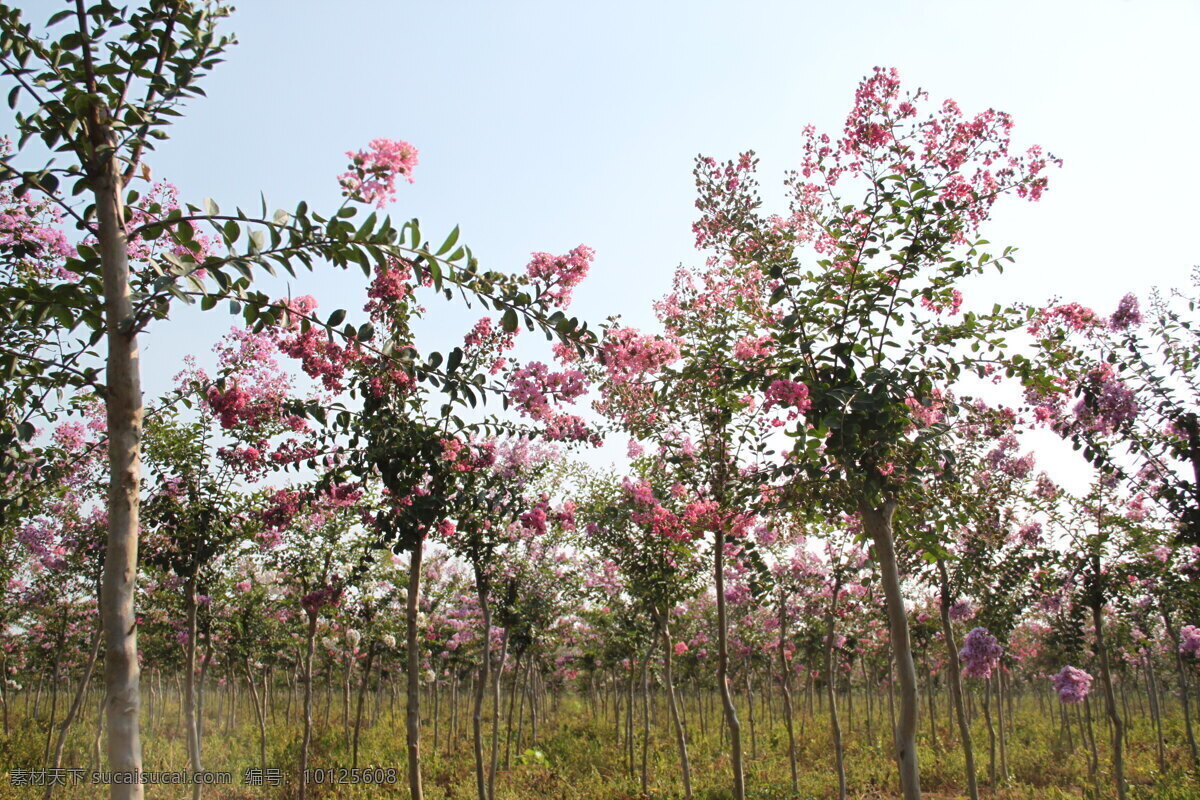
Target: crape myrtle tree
(494, 508)
(92, 95)
(681, 393)
(1123, 389)
(795, 574)
(983, 509)
(881, 227)
(1097, 577)
(637, 526)
(404, 429)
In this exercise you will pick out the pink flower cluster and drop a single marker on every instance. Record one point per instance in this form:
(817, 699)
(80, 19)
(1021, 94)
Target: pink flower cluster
(980, 654)
(371, 177)
(751, 348)
(533, 387)
(1071, 315)
(939, 307)
(789, 394)
(1072, 684)
(926, 415)
(560, 274)
(320, 357)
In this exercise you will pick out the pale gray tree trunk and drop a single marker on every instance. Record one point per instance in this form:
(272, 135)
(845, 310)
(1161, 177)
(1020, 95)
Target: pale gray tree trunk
(956, 692)
(786, 682)
(878, 524)
(835, 724)
(685, 764)
(731, 716)
(1110, 699)
(124, 412)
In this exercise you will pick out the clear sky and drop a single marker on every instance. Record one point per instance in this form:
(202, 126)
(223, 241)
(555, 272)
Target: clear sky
(543, 125)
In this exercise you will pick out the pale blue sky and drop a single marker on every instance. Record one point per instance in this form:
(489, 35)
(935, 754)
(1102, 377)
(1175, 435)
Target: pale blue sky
(543, 125)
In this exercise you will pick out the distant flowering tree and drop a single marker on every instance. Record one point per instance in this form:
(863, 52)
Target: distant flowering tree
(682, 394)
(639, 526)
(873, 331)
(1121, 389)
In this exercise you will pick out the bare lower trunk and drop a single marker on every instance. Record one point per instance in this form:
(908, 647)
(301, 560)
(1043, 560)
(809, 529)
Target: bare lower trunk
(412, 719)
(481, 687)
(1181, 673)
(1110, 699)
(835, 724)
(685, 764)
(731, 717)
(124, 411)
(956, 693)
(310, 646)
(496, 714)
(189, 682)
(785, 678)
(259, 712)
(362, 695)
(878, 524)
(646, 714)
(76, 704)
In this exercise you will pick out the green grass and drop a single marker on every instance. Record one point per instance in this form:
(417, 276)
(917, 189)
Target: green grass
(581, 759)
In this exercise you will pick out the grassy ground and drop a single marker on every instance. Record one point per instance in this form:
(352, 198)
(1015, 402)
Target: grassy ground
(581, 760)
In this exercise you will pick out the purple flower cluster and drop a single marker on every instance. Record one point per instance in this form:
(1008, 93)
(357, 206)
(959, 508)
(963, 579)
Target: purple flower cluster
(1189, 641)
(1127, 314)
(961, 610)
(1072, 684)
(980, 654)
(1114, 403)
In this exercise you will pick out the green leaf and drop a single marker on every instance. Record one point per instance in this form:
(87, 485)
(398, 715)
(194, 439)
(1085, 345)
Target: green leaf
(450, 241)
(509, 321)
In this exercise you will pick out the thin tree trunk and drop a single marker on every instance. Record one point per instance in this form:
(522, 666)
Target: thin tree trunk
(189, 681)
(259, 712)
(685, 764)
(76, 704)
(481, 685)
(835, 724)
(362, 695)
(1181, 672)
(878, 524)
(496, 714)
(991, 729)
(1155, 715)
(1000, 723)
(1110, 698)
(646, 713)
(731, 717)
(310, 646)
(412, 717)
(786, 681)
(956, 692)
